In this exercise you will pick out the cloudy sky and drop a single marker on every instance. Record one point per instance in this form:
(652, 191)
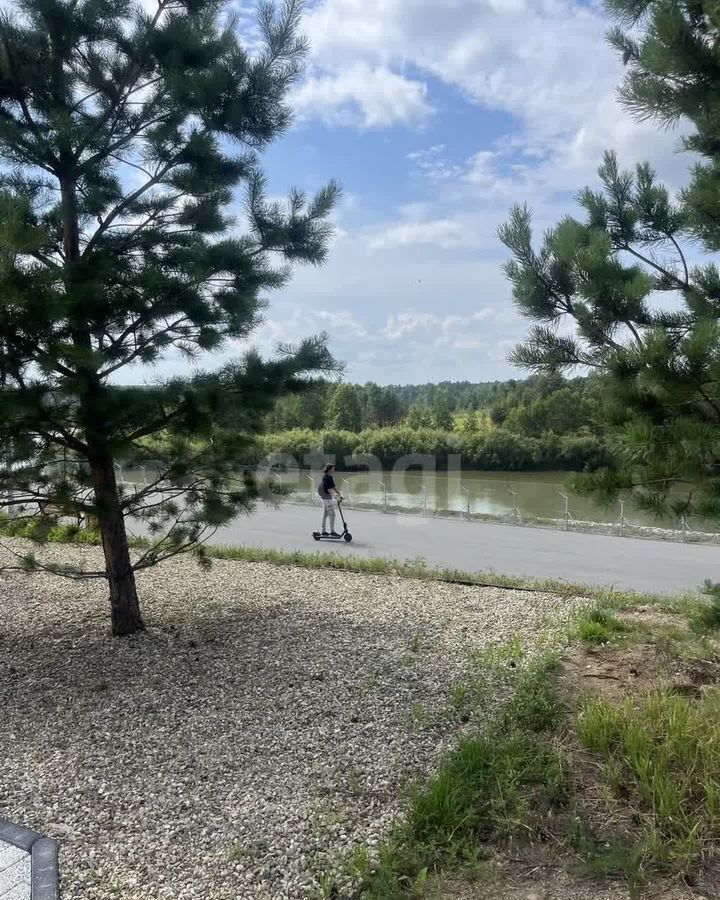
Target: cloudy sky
(437, 115)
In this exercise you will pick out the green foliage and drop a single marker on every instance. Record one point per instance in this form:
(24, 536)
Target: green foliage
(379, 407)
(598, 626)
(99, 271)
(661, 754)
(672, 62)
(660, 405)
(497, 450)
(605, 275)
(343, 410)
(418, 417)
(706, 618)
(493, 787)
(441, 410)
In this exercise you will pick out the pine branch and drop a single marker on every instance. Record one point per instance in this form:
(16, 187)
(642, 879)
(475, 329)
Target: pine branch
(142, 347)
(30, 564)
(134, 73)
(126, 202)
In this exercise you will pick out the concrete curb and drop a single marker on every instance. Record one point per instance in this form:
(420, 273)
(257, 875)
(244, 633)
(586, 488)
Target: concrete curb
(44, 873)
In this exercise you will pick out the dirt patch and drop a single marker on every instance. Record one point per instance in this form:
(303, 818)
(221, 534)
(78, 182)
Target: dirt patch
(612, 673)
(538, 875)
(651, 661)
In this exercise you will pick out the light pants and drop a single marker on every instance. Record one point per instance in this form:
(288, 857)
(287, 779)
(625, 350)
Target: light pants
(328, 514)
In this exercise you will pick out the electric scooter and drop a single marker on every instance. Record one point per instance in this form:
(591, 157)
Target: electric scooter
(345, 536)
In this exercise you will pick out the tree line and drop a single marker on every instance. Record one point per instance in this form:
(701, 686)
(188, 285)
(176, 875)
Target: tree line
(535, 406)
(491, 450)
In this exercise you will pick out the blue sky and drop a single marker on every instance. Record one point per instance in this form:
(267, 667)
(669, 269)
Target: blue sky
(436, 117)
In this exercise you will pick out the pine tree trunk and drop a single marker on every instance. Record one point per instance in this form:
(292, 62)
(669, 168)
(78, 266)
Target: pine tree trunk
(124, 605)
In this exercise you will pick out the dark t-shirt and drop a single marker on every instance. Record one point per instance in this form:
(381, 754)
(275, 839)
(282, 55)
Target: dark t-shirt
(328, 482)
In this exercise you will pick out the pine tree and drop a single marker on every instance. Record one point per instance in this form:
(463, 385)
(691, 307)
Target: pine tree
(344, 412)
(372, 412)
(608, 274)
(441, 410)
(123, 137)
(673, 59)
(391, 407)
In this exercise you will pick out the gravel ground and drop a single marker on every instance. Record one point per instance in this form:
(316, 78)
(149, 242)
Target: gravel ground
(267, 722)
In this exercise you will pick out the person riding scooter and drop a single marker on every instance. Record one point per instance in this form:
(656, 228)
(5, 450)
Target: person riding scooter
(330, 496)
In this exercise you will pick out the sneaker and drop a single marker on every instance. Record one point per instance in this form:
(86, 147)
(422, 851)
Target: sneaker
(334, 534)
(325, 533)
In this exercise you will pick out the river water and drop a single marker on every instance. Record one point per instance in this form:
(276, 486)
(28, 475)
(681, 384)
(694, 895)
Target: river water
(498, 494)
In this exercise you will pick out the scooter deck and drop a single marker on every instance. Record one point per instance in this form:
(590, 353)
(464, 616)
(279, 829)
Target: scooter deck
(345, 536)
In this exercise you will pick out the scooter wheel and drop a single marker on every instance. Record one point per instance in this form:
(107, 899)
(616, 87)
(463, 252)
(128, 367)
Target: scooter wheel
(316, 537)
(348, 536)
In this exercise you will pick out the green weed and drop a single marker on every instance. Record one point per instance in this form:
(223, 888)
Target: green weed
(663, 751)
(705, 619)
(599, 626)
(495, 786)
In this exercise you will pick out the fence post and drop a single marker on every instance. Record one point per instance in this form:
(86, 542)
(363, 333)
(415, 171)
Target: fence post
(424, 490)
(567, 510)
(349, 492)
(623, 520)
(312, 487)
(384, 487)
(685, 529)
(467, 494)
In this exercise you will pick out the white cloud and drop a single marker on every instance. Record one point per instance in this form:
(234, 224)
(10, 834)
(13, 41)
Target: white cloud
(443, 233)
(432, 163)
(300, 322)
(453, 332)
(546, 62)
(361, 95)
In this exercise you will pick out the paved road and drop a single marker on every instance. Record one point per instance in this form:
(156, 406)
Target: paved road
(644, 565)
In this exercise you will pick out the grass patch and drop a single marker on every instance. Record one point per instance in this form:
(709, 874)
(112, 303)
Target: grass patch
(599, 626)
(647, 804)
(705, 618)
(603, 857)
(491, 787)
(661, 759)
(47, 530)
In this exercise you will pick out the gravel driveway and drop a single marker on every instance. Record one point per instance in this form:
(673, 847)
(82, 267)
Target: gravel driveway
(268, 721)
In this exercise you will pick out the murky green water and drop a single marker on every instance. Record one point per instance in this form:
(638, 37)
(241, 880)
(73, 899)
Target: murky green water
(533, 494)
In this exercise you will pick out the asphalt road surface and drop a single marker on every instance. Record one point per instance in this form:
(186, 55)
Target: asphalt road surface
(645, 565)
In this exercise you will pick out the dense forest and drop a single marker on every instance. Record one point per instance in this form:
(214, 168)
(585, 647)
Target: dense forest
(543, 422)
(535, 406)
